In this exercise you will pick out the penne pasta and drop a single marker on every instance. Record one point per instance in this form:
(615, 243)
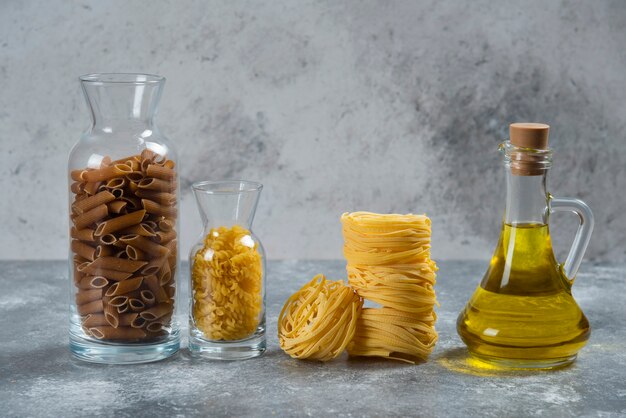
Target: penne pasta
(116, 183)
(108, 274)
(86, 296)
(111, 315)
(124, 287)
(133, 202)
(115, 264)
(91, 217)
(119, 223)
(135, 254)
(82, 234)
(118, 301)
(124, 245)
(152, 282)
(166, 225)
(144, 229)
(146, 245)
(163, 237)
(147, 297)
(135, 176)
(91, 202)
(117, 206)
(156, 311)
(165, 274)
(136, 305)
(154, 266)
(120, 333)
(162, 198)
(90, 307)
(77, 175)
(92, 282)
(94, 320)
(107, 173)
(83, 250)
(77, 187)
(154, 326)
(104, 251)
(160, 172)
(138, 322)
(92, 188)
(157, 185)
(107, 239)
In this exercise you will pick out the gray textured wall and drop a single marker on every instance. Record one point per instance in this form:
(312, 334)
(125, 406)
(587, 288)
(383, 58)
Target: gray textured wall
(334, 106)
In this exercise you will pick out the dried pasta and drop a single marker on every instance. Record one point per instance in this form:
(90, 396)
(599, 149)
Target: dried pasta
(227, 276)
(319, 320)
(116, 242)
(389, 263)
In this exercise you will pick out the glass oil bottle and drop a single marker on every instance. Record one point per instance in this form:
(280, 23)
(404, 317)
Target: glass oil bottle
(523, 315)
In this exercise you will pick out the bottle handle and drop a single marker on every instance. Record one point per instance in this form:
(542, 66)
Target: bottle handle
(583, 234)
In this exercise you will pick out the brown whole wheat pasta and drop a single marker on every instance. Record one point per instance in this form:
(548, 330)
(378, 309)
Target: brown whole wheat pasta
(90, 307)
(82, 234)
(157, 185)
(121, 288)
(160, 172)
(107, 173)
(94, 215)
(156, 311)
(111, 315)
(144, 229)
(91, 202)
(124, 244)
(89, 295)
(92, 282)
(162, 198)
(117, 206)
(83, 249)
(120, 333)
(146, 245)
(117, 264)
(119, 223)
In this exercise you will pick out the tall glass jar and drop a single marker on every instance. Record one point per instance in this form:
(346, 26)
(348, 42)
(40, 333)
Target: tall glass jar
(123, 206)
(227, 312)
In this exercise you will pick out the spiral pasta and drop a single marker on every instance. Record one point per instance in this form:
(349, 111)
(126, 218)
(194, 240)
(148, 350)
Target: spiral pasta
(319, 320)
(389, 263)
(227, 276)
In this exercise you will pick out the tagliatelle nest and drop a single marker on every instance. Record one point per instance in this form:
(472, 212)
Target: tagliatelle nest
(319, 321)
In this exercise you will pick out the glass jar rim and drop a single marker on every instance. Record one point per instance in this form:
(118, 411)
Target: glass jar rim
(226, 186)
(122, 78)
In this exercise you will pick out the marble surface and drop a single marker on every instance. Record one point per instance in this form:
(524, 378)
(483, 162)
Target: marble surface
(38, 376)
(334, 106)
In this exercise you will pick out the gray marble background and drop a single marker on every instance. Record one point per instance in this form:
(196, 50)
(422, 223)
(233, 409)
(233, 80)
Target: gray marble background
(390, 106)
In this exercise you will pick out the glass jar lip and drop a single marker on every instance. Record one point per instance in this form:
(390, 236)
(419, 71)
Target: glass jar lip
(121, 78)
(227, 186)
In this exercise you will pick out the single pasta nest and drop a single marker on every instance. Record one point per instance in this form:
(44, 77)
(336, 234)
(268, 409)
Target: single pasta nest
(319, 321)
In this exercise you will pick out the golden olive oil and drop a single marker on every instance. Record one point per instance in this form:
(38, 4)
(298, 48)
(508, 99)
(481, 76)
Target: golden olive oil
(523, 313)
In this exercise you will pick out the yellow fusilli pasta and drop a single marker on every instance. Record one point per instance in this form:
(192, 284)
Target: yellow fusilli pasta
(227, 276)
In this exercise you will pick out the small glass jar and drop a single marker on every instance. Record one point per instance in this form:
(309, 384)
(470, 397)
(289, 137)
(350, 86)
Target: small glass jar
(227, 309)
(123, 205)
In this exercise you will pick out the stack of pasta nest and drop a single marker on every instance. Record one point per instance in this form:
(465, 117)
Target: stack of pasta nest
(388, 262)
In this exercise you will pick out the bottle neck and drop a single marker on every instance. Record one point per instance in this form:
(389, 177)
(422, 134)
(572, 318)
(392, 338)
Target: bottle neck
(526, 198)
(122, 105)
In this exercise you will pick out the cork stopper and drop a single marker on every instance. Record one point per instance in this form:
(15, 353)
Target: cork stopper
(529, 135)
(535, 137)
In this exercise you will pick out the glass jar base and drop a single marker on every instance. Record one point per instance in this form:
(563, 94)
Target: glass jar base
(526, 364)
(227, 350)
(115, 353)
